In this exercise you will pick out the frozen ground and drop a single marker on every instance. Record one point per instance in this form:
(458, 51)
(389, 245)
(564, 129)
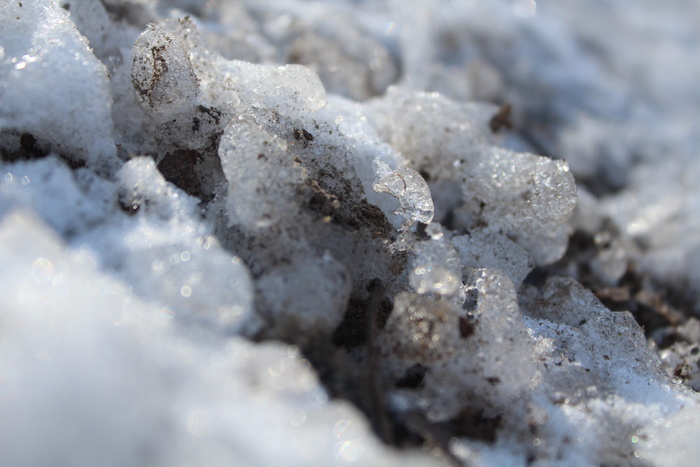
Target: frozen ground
(372, 232)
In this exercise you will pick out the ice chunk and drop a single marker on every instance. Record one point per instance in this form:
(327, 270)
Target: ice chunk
(430, 131)
(236, 86)
(162, 73)
(605, 375)
(436, 268)
(529, 197)
(409, 188)
(186, 131)
(493, 251)
(499, 330)
(262, 177)
(291, 90)
(464, 348)
(71, 115)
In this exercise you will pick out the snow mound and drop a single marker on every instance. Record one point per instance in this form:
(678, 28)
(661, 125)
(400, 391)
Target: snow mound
(281, 233)
(72, 115)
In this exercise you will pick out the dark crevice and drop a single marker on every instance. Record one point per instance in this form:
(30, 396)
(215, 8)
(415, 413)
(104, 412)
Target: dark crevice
(658, 308)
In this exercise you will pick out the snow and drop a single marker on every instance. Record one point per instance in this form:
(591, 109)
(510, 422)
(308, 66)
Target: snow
(321, 233)
(42, 45)
(97, 375)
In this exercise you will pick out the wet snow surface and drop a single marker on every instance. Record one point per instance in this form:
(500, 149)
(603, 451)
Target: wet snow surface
(322, 233)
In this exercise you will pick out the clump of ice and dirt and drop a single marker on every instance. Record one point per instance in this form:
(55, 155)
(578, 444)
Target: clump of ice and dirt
(320, 233)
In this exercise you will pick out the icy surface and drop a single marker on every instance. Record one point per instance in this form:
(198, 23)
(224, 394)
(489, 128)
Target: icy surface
(322, 233)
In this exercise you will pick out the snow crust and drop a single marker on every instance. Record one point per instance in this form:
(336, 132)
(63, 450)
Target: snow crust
(293, 233)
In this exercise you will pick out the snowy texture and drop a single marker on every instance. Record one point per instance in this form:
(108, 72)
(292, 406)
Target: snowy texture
(161, 398)
(318, 233)
(70, 115)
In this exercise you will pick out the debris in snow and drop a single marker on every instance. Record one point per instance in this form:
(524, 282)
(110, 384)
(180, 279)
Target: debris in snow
(284, 233)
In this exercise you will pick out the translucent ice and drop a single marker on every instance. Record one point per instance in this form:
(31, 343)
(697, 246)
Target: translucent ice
(476, 250)
(411, 190)
(247, 150)
(527, 197)
(463, 347)
(436, 268)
